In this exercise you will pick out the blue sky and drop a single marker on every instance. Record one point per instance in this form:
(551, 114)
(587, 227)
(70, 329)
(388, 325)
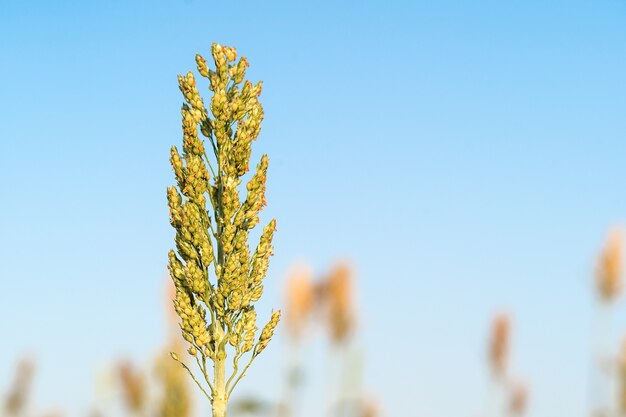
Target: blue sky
(467, 156)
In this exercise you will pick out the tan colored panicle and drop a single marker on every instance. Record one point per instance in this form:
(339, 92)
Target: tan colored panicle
(133, 386)
(300, 299)
(339, 295)
(20, 390)
(519, 399)
(499, 343)
(610, 266)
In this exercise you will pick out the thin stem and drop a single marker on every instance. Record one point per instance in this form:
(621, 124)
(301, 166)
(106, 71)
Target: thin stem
(202, 367)
(209, 162)
(212, 312)
(211, 227)
(242, 374)
(235, 369)
(210, 137)
(194, 378)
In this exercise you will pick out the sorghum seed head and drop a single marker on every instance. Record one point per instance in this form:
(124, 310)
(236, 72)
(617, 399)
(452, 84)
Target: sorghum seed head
(610, 267)
(133, 386)
(339, 297)
(300, 298)
(499, 343)
(518, 399)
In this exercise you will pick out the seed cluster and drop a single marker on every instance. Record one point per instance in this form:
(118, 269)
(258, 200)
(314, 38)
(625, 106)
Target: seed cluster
(218, 312)
(610, 267)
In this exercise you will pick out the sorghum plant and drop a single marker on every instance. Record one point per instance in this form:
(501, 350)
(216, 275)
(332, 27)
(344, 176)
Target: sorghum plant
(608, 283)
(17, 399)
(508, 396)
(499, 345)
(339, 294)
(175, 396)
(133, 387)
(217, 277)
(609, 270)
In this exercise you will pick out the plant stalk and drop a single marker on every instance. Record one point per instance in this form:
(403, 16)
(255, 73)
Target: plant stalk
(220, 397)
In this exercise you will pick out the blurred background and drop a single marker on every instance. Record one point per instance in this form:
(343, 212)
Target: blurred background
(463, 162)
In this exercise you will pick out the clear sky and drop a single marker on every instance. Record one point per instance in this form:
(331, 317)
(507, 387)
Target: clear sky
(466, 155)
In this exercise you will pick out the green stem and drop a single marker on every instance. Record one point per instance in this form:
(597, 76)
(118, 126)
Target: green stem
(208, 161)
(243, 373)
(220, 396)
(206, 394)
(235, 370)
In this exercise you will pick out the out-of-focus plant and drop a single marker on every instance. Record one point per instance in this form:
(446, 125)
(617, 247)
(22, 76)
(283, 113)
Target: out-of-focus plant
(160, 389)
(339, 300)
(17, 398)
(331, 300)
(608, 287)
(610, 267)
(507, 397)
(518, 399)
(300, 302)
(217, 313)
(164, 392)
(175, 398)
(339, 309)
(133, 387)
(499, 345)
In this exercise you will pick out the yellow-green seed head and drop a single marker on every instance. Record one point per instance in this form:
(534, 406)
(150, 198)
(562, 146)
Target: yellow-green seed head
(216, 313)
(267, 333)
(203, 69)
